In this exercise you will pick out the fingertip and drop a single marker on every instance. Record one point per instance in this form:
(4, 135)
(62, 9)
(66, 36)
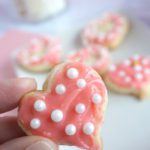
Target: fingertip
(12, 90)
(26, 84)
(30, 143)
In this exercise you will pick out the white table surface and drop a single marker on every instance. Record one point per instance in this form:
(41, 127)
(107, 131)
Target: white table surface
(77, 10)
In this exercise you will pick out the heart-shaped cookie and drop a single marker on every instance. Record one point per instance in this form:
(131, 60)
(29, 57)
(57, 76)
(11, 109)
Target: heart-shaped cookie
(40, 54)
(97, 57)
(131, 76)
(70, 108)
(109, 30)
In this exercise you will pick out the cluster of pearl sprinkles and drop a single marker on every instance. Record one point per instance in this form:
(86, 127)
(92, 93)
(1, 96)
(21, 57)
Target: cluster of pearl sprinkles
(57, 115)
(116, 23)
(29, 55)
(140, 68)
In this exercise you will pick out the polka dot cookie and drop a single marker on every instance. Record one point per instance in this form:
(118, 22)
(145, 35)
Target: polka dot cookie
(132, 76)
(109, 31)
(70, 108)
(40, 54)
(97, 57)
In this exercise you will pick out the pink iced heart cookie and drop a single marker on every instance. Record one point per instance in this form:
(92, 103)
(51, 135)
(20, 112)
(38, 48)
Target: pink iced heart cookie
(109, 31)
(131, 76)
(40, 54)
(70, 108)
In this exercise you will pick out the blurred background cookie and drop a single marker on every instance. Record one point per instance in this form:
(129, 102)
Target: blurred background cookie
(109, 30)
(40, 54)
(131, 76)
(98, 57)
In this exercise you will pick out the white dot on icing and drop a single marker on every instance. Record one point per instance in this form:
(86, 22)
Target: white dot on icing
(80, 108)
(88, 128)
(70, 129)
(39, 105)
(72, 73)
(138, 68)
(96, 98)
(35, 123)
(60, 89)
(57, 115)
(127, 62)
(112, 67)
(138, 76)
(122, 73)
(127, 79)
(81, 83)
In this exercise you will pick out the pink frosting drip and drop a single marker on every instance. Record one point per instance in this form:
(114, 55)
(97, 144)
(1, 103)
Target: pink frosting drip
(67, 102)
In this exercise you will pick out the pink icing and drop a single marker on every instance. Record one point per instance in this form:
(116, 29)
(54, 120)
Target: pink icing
(135, 72)
(67, 103)
(97, 57)
(40, 51)
(93, 35)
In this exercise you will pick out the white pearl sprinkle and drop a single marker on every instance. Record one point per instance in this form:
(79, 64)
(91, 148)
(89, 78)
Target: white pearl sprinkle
(138, 76)
(35, 58)
(35, 123)
(57, 115)
(70, 129)
(80, 108)
(127, 62)
(81, 83)
(96, 99)
(88, 128)
(127, 79)
(112, 67)
(39, 105)
(138, 68)
(122, 73)
(60, 89)
(72, 73)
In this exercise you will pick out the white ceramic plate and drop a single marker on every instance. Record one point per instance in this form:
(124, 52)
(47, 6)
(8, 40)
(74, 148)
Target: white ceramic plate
(127, 121)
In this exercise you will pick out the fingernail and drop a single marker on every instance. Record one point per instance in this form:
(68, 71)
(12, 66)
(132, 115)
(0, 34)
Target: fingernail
(41, 145)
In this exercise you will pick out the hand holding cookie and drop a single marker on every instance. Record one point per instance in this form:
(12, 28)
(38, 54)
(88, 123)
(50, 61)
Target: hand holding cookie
(70, 108)
(12, 137)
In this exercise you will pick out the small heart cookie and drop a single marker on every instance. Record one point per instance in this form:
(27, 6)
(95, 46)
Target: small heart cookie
(40, 54)
(70, 108)
(131, 76)
(109, 31)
